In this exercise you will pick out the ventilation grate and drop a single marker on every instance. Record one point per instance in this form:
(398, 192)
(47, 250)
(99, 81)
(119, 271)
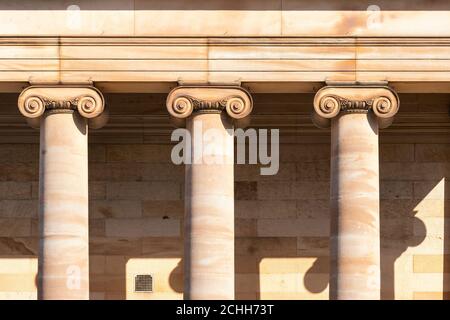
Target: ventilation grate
(143, 283)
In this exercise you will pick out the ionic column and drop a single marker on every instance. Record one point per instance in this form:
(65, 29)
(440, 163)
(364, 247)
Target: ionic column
(355, 114)
(63, 114)
(209, 114)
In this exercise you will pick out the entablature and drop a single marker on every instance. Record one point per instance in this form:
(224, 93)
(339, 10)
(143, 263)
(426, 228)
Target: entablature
(260, 64)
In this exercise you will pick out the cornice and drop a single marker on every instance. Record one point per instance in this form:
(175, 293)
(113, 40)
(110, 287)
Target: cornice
(212, 41)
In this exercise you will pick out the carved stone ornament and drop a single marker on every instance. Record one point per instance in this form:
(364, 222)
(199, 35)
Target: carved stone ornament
(186, 100)
(333, 100)
(37, 101)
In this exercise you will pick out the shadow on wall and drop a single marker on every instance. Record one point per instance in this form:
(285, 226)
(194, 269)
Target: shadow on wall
(399, 229)
(110, 273)
(396, 236)
(113, 269)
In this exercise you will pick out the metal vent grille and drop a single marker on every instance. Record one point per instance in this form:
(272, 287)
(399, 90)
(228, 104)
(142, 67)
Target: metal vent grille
(143, 283)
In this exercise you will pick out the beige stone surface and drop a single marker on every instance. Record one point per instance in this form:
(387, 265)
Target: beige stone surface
(150, 153)
(194, 18)
(15, 227)
(430, 296)
(293, 227)
(136, 228)
(16, 153)
(257, 18)
(165, 278)
(432, 152)
(355, 256)
(267, 246)
(63, 208)
(292, 190)
(255, 209)
(355, 114)
(163, 209)
(431, 264)
(208, 113)
(295, 265)
(115, 18)
(293, 296)
(63, 114)
(245, 228)
(397, 152)
(12, 190)
(209, 220)
(249, 172)
(115, 209)
(264, 63)
(409, 202)
(307, 254)
(428, 282)
(162, 246)
(161, 190)
(356, 19)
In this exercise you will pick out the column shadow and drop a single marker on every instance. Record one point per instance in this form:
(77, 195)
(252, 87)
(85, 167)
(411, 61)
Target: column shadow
(397, 235)
(394, 241)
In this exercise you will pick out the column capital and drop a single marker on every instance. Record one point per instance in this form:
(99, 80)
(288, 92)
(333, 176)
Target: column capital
(37, 101)
(330, 101)
(186, 100)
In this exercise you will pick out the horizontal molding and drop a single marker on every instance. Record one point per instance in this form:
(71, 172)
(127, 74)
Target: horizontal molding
(253, 61)
(225, 40)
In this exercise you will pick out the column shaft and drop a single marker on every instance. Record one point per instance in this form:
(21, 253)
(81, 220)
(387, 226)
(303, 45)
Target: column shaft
(209, 214)
(355, 225)
(63, 207)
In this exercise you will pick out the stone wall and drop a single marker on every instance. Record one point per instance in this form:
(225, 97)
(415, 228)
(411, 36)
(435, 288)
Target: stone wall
(282, 221)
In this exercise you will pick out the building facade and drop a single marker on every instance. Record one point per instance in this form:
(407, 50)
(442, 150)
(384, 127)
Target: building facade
(94, 206)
